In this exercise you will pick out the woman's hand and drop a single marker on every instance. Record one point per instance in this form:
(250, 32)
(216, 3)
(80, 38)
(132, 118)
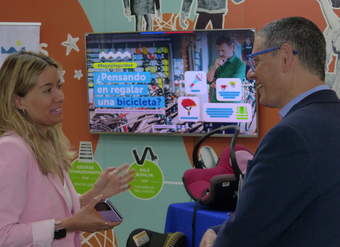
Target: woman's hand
(88, 219)
(113, 181)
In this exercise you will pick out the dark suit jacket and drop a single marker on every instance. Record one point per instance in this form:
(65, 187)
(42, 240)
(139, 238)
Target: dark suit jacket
(291, 194)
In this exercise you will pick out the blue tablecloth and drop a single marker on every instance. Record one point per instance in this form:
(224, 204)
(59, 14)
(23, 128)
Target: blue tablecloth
(180, 215)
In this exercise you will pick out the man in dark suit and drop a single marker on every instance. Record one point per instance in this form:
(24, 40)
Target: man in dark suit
(291, 192)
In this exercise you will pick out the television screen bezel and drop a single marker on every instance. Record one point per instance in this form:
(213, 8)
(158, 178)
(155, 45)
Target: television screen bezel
(182, 134)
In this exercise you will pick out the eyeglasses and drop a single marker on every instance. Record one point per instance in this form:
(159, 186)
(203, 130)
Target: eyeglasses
(250, 57)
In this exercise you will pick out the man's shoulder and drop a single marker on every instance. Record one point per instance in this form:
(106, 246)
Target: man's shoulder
(235, 59)
(236, 63)
(317, 103)
(233, 62)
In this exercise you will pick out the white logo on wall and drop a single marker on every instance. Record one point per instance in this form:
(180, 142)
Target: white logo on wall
(195, 82)
(115, 55)
(189, 109)
(18, 36)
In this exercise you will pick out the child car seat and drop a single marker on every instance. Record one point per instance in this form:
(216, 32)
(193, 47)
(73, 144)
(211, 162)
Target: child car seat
(217, 187)
(148, 238)
(207, 156)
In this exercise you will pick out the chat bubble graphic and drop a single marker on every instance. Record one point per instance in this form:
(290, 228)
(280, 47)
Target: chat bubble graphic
(195, 82)
(228, 89)
(189, 109)
(227, 112)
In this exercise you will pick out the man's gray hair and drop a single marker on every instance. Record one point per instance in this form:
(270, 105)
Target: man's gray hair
(305, 38)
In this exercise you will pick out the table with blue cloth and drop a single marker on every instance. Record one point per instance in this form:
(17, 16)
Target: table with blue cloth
(180, 217)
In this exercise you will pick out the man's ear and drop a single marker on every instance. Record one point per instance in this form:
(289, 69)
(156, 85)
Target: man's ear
(287, 57)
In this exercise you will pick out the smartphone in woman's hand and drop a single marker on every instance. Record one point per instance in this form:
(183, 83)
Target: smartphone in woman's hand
(108, 211)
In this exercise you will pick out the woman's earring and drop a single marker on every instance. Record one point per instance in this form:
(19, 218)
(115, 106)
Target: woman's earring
(23, 112)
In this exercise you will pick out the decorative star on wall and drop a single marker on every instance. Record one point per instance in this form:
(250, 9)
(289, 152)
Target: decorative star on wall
(62, 74)
(42, 50)
(70, 44)
(78, 74)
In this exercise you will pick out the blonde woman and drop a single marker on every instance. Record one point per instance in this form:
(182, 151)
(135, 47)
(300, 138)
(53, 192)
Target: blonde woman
(39, 206)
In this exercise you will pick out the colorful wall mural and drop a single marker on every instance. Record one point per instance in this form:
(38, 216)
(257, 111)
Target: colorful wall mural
(63, 28)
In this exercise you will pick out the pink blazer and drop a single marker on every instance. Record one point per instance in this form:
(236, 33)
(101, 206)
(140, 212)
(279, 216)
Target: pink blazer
(29, 200)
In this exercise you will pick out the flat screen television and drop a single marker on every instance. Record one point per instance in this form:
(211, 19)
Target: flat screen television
(162, 83)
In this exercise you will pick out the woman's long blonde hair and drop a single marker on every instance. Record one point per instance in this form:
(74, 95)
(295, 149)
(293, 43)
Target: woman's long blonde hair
(18, 75)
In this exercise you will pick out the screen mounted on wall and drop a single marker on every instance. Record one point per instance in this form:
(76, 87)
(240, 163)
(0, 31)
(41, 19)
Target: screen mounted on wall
(184, 83)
